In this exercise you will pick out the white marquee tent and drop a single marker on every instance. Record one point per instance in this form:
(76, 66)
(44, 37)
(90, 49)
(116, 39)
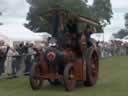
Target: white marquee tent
(17, 33)
(98, 36)
(44, 35)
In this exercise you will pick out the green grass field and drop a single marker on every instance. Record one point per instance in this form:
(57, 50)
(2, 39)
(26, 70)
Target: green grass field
(113, 81)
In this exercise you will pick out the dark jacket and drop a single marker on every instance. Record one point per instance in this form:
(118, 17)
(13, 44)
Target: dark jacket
(88, 38)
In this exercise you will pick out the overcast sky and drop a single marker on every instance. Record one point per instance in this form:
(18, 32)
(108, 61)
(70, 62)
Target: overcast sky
(116, 3)
(119, 3)
(120, 7)
(20, 7)
(14, 7)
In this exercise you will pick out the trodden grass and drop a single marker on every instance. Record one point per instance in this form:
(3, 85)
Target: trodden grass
(113, 81)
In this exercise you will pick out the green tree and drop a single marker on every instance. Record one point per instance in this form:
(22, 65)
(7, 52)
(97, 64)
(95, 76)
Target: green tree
(102, 11)
(121, 33)
(39, 7)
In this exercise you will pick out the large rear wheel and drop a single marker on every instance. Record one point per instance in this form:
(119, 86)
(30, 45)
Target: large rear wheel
(92, 67)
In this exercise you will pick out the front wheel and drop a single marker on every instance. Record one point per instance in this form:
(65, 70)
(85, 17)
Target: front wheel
(69, 77)
(34, 81)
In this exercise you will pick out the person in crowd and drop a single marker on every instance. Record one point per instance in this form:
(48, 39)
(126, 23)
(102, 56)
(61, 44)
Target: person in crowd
(3, 53)
(29, 58)
(1, 61)
(9, 63)
(20, 58)
(15, 67)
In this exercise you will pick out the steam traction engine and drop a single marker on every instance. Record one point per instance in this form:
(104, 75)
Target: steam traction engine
(69, 62)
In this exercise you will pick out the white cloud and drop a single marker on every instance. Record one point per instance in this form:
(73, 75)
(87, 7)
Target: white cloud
(116, 3)
(15, 7)
(119, 3)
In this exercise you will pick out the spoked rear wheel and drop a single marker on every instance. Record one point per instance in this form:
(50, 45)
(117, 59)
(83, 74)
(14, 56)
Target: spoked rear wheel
(69, 77)
(92, 67)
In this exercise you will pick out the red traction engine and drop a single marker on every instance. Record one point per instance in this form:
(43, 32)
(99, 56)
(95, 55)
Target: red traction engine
(66, 66)
(63, 66)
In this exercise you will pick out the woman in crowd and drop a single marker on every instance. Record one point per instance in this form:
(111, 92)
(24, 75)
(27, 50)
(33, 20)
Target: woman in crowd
(9, 62)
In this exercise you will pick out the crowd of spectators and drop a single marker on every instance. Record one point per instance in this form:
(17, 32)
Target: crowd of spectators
(113, 48)
(17, 59)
